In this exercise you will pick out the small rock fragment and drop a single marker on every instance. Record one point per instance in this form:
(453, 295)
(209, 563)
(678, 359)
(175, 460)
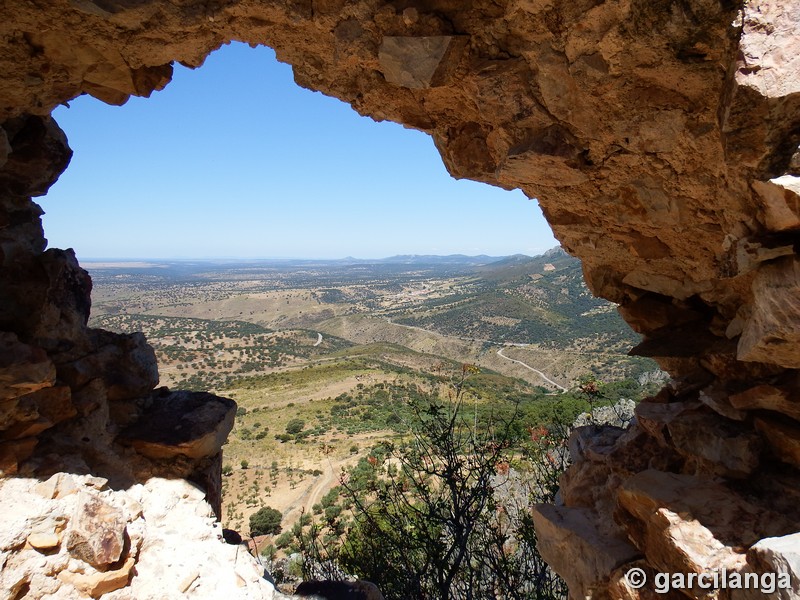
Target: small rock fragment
(410, 16)
(99, 582)
(43, 541)
(96, 533)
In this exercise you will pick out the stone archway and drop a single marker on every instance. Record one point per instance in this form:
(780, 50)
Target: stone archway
(661, 139)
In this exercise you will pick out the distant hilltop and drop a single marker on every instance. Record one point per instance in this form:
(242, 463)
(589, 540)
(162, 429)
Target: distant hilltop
(483, 259)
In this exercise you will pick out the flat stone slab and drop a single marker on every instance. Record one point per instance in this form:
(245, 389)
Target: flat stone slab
(194, 424)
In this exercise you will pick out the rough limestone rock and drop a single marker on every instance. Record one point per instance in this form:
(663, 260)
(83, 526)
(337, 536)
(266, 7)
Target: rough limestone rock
(689, 524)
(127, 364)
(62, 539)
(767, 397)
(99, 583)
(33, 413)
(781, 202)
(416, 62)
(23, 368)
(772, 334)
(189, 423)
(778, 555)
(571, 543)
(655, 417)
(97, 532)
(731, 449)
(661, 140)
(14, 452)
(183, 552)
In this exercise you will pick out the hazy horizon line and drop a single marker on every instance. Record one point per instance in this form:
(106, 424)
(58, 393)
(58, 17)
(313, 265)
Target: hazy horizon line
(317, 258)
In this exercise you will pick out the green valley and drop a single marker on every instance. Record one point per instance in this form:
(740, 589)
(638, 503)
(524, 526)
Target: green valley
(324, 358)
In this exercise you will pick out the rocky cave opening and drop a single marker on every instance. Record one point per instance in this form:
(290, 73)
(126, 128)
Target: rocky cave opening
(661, 139)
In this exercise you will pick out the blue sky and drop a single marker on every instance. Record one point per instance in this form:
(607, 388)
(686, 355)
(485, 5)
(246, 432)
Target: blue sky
(233, 160)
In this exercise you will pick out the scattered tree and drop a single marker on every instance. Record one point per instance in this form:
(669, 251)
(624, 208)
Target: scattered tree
(266, 521)
(295, 426)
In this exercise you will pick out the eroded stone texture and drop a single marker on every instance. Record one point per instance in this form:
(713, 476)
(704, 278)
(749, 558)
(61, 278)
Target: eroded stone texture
(97, 532)
(783, 437)
(693, 523)
(23, 368)
(79, 539)
(193, 424)
(772, 334)
(778, 556)
(572, 544)
(661, 139)
(781, 202)
(716, 445)
(768, 397)
(418, 62)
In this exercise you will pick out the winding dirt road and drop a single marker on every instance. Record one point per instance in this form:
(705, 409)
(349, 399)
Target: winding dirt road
(503, 346)
(537, 371)
(314, 492)
(319, 487)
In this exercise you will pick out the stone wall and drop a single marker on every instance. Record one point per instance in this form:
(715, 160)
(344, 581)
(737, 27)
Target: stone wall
(661, 138)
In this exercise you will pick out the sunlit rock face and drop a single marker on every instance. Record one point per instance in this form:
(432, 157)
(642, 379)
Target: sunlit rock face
(661, 139)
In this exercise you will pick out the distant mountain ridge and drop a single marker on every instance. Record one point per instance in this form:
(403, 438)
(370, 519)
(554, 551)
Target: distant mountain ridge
(556, 253)
(523, 299)
(459, 259)
(193, 268)
(145, 263)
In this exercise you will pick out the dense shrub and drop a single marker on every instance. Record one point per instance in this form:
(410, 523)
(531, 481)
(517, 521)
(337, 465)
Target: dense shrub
(295, 426)
(266, 521)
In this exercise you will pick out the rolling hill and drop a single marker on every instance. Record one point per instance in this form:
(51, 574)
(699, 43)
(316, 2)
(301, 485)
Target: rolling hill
(526, 300)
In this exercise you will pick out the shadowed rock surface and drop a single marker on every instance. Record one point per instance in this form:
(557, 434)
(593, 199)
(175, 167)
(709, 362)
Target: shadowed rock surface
(339, 590)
